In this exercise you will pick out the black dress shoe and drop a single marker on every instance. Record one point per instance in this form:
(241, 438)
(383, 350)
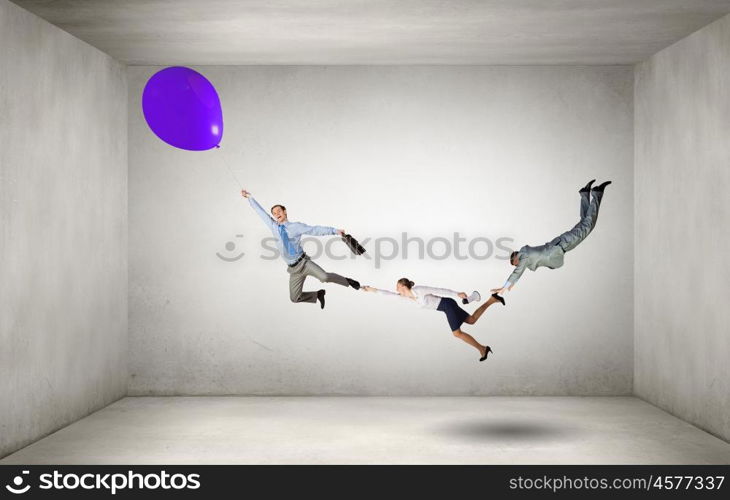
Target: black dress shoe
(354, 284)
(320, 298)
(486, 353)
(601, 187)
(499, 298)
(587, 187)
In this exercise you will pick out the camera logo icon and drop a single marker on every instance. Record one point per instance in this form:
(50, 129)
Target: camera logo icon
(17, 486)
(230, 247)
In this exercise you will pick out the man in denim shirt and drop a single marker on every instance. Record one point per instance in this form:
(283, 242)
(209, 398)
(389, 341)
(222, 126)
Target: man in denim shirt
(552, 253)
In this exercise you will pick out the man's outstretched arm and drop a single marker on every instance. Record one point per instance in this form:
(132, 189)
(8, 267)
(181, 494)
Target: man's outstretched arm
(268, 220)
(318, 230)
(516, 274)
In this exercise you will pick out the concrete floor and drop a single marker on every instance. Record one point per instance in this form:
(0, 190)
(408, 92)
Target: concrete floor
(339, 430)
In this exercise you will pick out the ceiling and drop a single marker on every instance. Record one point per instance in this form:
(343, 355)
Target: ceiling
(203, 32)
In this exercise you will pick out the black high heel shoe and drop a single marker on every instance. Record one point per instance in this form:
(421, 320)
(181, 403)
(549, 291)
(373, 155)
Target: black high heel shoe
(486, 353)
(499, 298)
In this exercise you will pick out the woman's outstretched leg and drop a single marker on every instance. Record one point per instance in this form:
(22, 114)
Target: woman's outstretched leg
(471, 341)
(478, 313)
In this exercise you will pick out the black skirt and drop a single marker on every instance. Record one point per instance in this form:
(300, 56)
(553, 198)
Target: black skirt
(454, 314)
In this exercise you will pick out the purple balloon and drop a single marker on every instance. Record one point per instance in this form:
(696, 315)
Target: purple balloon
(183, 109)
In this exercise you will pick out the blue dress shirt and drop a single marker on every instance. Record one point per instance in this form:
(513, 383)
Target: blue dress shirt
(294, 230)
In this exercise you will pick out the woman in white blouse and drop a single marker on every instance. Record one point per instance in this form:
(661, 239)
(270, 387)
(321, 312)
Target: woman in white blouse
(442, 299)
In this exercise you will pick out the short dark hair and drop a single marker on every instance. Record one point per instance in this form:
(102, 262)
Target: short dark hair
(277, 205)
(513, 255)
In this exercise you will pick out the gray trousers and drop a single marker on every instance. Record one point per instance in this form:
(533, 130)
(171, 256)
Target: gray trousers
(588, 218)
(299, 273)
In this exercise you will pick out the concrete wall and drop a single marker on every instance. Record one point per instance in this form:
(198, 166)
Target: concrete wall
(63, 222)
(488, 152)
(682, 277)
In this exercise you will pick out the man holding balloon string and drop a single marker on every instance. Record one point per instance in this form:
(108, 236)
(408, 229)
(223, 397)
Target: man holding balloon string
(183, 109)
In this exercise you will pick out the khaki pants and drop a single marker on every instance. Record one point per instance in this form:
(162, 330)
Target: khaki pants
(299, 273)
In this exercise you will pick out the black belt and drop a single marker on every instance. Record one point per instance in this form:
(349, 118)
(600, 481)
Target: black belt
(301, 257)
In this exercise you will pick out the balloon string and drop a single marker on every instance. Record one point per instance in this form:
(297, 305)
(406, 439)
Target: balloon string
(225, 162)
